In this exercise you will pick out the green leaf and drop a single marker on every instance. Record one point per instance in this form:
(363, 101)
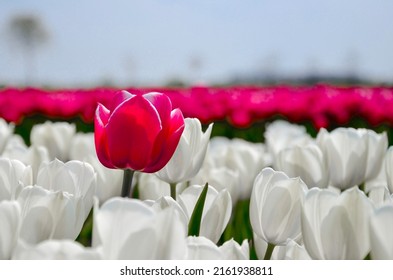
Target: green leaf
(195, 222)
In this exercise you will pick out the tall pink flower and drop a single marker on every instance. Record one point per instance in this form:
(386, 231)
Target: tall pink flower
(139, 132)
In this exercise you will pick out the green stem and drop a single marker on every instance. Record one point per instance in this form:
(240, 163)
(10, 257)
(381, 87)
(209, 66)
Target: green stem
(173, 190)
(269, 251)
(126, 190)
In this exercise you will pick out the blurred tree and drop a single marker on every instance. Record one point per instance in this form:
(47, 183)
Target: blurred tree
(28, 33)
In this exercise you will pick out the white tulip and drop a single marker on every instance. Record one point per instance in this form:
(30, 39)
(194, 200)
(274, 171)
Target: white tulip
(275, 206)
(130, 229)
(189, 154)
(220, 178)
(291, 251)
(49, 215)
(9, 230)
(306, 162)
(32, 156)
(381, 233)
(14, 175)
(6, 130)
(216, 211)
(231, 250)
(346, 151)
(281, 134)
(240, 156)
(336, 226)
(75, 177)
(201, 248)
(56, 137)
(54, 250)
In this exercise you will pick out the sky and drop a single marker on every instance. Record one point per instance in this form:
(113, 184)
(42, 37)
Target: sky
(149, 42)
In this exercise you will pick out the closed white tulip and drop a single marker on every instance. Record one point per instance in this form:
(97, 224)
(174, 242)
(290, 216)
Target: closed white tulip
(49, 215)
(242, 157)
(336, 226)
(275, 206)
(216, 211)
(306, 162)
(346, 152)
(381, 233)
(189, 154)
(9, 230)
(75, 177)
(130, 229)
(56, 137)
(55, 250)
(281, 135)
(14, 175)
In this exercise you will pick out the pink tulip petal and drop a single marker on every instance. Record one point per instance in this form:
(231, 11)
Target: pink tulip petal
(132, 130)
(166, 143)
(100, 136)
(120, 98)
(163, 105)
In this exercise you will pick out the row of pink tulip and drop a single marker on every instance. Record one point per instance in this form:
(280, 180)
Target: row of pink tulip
(322, 105)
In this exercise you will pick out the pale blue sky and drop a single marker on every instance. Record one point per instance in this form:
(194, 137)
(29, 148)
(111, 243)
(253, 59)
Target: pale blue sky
(148, 42)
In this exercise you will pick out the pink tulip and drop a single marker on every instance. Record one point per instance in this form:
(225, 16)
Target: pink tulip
(140, 132)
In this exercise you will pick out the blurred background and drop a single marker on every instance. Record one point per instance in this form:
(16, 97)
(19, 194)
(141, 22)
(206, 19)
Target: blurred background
(124, 43)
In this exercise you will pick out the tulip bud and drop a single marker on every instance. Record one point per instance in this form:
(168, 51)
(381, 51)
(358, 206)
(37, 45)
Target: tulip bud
(306, 162)
(346, 152)
(336, 226)
(275, 206)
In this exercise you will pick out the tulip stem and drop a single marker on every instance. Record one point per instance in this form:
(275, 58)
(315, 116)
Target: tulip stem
(269, 251)
(173, 190)
(126, 190)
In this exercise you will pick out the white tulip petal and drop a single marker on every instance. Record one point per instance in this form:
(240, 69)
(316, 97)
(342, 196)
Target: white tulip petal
(381, 233)
(201, 248)
(10, 222)
(217, 217)
(55, 250)
(231, 250)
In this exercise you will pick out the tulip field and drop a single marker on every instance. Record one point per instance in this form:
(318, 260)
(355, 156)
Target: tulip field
(279, 173)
